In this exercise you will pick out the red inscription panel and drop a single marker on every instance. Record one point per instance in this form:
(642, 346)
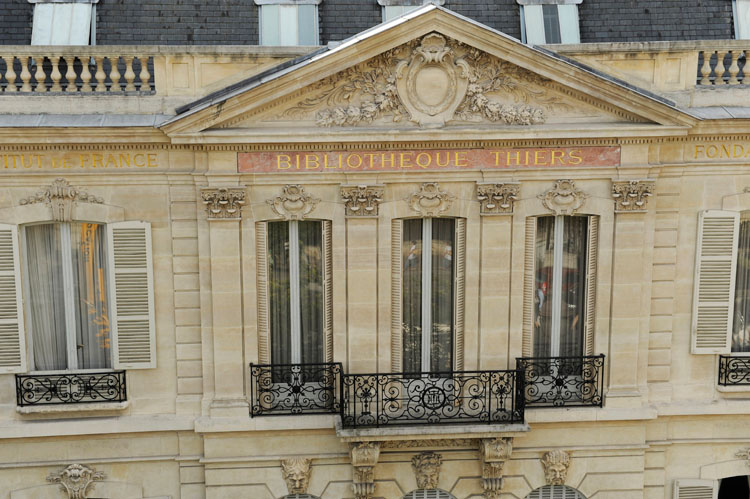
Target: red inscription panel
(427, 159)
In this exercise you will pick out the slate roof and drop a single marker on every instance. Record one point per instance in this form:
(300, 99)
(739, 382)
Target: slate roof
(235, 22)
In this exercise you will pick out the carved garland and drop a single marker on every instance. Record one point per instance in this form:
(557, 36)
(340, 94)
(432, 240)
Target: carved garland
(362, 200)
(430, 200)
(564, 198)
(293, 203)
(76, 480)
(60, 196)
(497, 199)
(631, 196)
(223, 203)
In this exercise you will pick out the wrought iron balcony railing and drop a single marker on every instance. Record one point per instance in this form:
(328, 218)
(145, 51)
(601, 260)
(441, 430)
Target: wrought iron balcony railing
(70, 388)
(563, 381)
(489, 397)
(285, 389)
(734, 371)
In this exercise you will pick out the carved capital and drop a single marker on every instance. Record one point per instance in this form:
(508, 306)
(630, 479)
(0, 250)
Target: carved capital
(430, 200)
(76, 480)
(632, 195)
(60, 196)
(564, 198)
(555, 464)
(296, 472)
(497, 199)
(426, 467)
(223, 203)
(293, 203)
(364, 456)
(494, 453)
(362, 200)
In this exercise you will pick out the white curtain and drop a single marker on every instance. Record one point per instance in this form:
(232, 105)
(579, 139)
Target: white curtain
(740, 326)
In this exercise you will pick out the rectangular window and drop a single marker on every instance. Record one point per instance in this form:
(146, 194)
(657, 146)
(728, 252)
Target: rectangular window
(282, 24)
(63, 23)
(68, 312)
(394, 11)
(549, 23)
(296, 292)
(428, 294)
(741, 19)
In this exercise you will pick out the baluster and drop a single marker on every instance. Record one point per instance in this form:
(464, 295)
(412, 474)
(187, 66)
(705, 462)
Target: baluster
(55, 75)
(144, 75)
(706, 68)
(719, 69)
(41, 78)
(70, 74)
(745, 68)
(734, 69)
(85, 74)
(25, 74)
(114, 73)
(129, 74)
(100, 75)
(10, 73)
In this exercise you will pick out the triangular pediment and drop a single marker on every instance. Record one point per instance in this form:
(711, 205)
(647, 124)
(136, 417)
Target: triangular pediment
(429, 71)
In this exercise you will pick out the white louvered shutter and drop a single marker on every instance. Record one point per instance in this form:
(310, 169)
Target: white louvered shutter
(695, 489)
(12, 344)
(591, 262)
(397, 230)
(460, 292)
(328, 287)
(132, 295)
(715, 269)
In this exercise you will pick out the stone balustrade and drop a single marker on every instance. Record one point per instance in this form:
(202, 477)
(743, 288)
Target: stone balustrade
(721, 66)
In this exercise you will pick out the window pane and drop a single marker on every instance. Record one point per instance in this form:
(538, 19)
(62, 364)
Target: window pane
(441, 348)
(742, 23)
(46, 296)
(575, 242)
(307, 24)
(412, 294)
(90, 297)
(740, 327)
(543, 265)
(269, 25)
(533, 19)
(551, 24)
(569, 31)
(288, 30)
(278, 292)
(311, 292)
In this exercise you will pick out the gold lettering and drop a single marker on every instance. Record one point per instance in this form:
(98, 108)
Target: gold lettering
(558, 153)
(497, 157)
(741, 151)
(349, 160)
(712, 151)
(325, 162)
(311, 165)
(111, 159)
(575, 157)
(402, 157)
(39, 160)
(83, 159)
(370, 156)
(65, 163)
(699, 148)
(725, 151)
(540, 157)
(279, 158)
(526, 161)
(23, 162)
(390, 160)
(96, 159)
(152, 161)
(447, 159)
(461, 159)
(517, 155)
(426, 155)
(135, 161)
(124, 159)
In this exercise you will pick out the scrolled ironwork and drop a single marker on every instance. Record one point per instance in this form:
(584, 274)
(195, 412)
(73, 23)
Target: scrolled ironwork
(70, 388)
(734, 371)
(491, 397)
(563, 381)
(285, 389)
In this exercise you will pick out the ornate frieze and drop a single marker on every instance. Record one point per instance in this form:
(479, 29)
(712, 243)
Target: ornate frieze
(430, 442)
(494, 453)
(296, 472)
(564, 198)
(362, 200)
(556, 463)
(497, 199)
(76, 480)
(60, 196)
(223, 203)
(632, 195)
(426, 467)
(430, 200)
(364, 456)
(293, 203)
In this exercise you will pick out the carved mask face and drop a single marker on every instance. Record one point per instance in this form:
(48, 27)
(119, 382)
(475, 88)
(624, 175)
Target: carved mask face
(296, 482)
(556, 474)
(428, 477)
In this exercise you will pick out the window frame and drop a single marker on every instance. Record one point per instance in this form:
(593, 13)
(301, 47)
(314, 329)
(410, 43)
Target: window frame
(288, 3)
(91, 28)
(413, 4)
(567, 36)
(738, 25)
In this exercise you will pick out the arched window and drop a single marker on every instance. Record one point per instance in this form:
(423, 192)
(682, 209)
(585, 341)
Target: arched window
(300, 496)
(555, 492)
(734, 487)
(428, 494)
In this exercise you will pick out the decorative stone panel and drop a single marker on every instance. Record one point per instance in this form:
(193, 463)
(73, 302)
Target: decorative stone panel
(364, 457)
(60, 196)
(497, 199)
(430, 200)
(76, 480)
(494, 453)
(362, 200)
(564, 198)
(223, 203)
(293, 203)
(296, 472)
(426, 467)
(556, 463)
(632, 195)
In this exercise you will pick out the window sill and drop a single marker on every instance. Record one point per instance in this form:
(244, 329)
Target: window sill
(738, 391)
(65, 408)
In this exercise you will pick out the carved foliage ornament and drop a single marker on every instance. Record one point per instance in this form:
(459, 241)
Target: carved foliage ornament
(293, 203)
(430, 200)
(362, 200)
(296, 472)
(364, 457)
(497, 199)
(427, 469)
(76, 480)
(494, 452)
(556, 463)
(223, 203)
(564, 198)
(60, 196)
(632, 195)
(744, 454)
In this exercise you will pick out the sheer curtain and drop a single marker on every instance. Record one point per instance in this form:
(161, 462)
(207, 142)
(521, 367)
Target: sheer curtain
(740, 326)
(572, 307)
(279, 292)
(544, 247)
(411, 251)
(311, 292)
(46, 296)
(441, 347)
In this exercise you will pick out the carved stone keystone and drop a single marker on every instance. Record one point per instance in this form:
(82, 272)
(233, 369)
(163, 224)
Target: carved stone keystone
(364, 457)
(296, 472)
(223, 203)
(564, 198)
(76, 480)
(744, 454)
(497, 199)
(293, 203)
(362, 200)
(60, 196)
(494, 453)
(426, 467)
(632, 195)
(430, 200)
(556, 463)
